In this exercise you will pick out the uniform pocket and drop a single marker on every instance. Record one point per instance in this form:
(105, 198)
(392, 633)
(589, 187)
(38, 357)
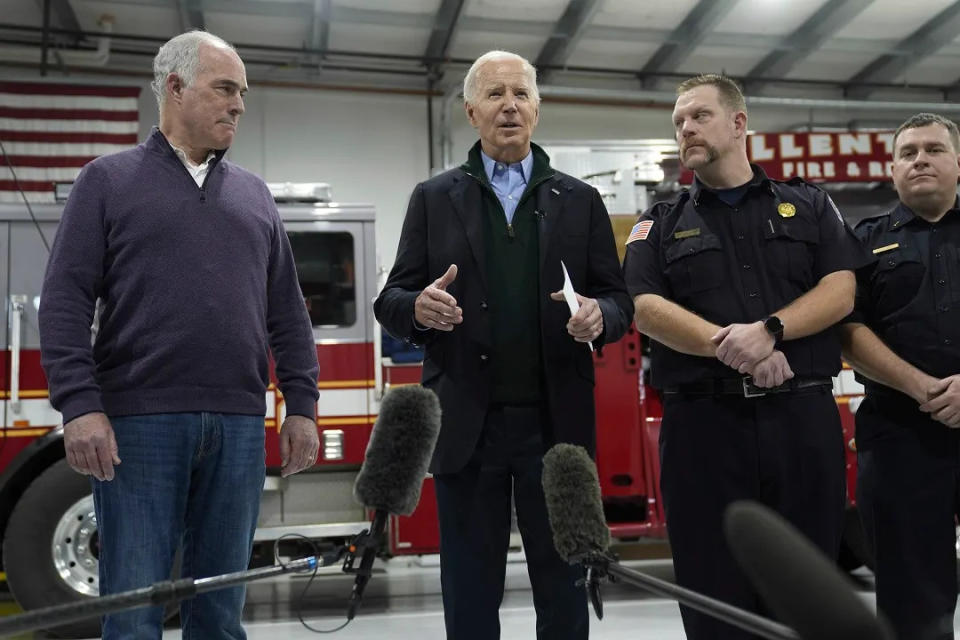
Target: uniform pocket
(791, 248)
(694, 265)
(897, 278)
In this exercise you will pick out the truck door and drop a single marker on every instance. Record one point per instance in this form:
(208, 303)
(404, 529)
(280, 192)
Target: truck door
(333, 272)
(333, 275)
(23, 256)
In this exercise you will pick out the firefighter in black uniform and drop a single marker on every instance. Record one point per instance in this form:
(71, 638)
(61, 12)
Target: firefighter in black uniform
(740, 282)
(903, 339)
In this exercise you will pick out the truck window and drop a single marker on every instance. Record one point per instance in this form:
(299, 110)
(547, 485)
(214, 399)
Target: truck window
(325, 265)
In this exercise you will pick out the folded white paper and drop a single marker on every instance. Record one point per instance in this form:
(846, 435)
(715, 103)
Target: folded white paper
(570, 295)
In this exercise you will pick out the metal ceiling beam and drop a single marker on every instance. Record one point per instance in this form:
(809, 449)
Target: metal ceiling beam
(441, 33)
(808, 37)
(930, 38)
(65, 14)
(191, 15)
(304, 10)
(283, 53)
(301, 9)
(687, 35)
(567, 32)
(320, 29)
(270, 62)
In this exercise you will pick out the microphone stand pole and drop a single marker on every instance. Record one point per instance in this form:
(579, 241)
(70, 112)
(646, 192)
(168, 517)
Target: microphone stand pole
(159, 593)
(598, 566)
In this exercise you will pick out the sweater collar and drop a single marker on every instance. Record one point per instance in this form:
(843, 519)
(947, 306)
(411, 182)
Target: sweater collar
(158, 143)
(541, 165)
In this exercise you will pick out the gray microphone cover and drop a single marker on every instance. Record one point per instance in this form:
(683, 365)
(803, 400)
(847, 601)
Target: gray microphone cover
(399, 451)
(572, 492)
(801, 586)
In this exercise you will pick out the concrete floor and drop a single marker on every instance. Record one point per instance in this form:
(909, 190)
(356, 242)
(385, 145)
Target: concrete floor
(403, 602)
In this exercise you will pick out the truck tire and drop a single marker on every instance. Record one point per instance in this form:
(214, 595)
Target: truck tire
(854, 550)
(50, 548)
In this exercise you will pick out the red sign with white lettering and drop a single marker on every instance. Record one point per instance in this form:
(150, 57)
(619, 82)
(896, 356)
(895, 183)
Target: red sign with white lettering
(821, 156)
(824, 156)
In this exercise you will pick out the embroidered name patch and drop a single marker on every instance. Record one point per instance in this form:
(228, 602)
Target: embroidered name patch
(640, 231)
(689, 233)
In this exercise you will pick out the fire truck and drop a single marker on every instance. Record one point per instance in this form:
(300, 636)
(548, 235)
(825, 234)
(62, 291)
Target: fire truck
(47, 520)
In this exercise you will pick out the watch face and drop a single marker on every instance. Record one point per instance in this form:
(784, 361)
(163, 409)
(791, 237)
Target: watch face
(773, 325)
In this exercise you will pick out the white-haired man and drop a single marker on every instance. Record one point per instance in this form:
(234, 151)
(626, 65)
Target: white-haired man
(478, 258)
(196, 280)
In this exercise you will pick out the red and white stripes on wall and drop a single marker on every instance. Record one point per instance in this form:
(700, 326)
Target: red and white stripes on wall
(51, 130)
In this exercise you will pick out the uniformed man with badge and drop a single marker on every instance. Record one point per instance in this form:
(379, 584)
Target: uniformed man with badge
(903, 339)
(740, 281)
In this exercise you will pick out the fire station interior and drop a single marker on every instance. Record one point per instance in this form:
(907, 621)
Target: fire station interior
(352, 103)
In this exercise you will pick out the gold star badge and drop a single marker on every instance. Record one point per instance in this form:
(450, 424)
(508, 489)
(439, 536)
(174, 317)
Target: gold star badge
(786, 210)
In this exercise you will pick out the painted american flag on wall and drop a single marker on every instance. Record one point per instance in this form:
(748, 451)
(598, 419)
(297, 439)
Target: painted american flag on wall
(51, 130)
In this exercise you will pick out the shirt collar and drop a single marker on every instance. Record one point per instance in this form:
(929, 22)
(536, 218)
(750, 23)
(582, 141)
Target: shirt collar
(490, 165)
(903, 215)
(186, 160)
(698, 189)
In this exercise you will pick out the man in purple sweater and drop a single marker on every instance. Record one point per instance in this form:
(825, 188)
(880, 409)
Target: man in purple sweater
(196, 284)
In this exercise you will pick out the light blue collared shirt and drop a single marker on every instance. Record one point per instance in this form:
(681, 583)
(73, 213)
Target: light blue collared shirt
(508, 181)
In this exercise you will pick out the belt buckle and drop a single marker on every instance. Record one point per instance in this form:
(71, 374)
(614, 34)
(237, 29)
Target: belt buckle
(751, 390)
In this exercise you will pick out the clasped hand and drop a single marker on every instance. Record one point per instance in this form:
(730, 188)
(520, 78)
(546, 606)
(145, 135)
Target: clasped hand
(749, 349)
(943, 401)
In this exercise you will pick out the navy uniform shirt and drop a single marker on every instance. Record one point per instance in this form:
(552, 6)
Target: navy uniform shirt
(910, 295)
(740, 263)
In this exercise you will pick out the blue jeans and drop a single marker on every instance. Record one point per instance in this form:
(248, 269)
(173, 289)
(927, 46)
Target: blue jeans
(194, 478)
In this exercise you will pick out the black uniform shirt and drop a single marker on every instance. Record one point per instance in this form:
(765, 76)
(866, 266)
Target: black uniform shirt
(741, 263)
(910, 295)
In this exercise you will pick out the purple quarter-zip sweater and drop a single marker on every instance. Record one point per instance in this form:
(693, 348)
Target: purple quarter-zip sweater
(197, 285)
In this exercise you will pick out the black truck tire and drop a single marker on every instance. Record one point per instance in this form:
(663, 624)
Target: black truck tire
(59, 494)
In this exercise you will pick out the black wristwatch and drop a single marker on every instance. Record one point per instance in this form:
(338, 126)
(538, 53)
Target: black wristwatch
(774, 327)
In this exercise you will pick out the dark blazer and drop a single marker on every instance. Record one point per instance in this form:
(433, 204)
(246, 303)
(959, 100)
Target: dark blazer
(444, 226)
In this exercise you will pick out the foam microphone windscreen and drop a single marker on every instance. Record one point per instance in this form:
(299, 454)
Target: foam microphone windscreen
(400, 449)
(798, 583)
(572, 493)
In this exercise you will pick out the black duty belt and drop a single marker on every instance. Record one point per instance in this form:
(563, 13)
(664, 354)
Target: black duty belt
(744, 387)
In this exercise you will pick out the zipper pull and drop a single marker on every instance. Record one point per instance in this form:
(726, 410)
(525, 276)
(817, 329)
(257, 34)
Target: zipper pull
(510, 230)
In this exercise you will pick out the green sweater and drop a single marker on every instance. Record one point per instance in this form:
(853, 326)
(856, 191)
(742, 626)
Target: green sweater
(513, 278)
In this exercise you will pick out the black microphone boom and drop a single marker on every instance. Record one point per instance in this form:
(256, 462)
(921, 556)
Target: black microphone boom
(581, 536)
(159, 593)
(799, 584)
(393, 470)
(389, 482)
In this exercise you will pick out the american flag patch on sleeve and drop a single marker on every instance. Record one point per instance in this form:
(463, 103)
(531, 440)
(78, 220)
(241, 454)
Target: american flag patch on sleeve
(640, 231)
